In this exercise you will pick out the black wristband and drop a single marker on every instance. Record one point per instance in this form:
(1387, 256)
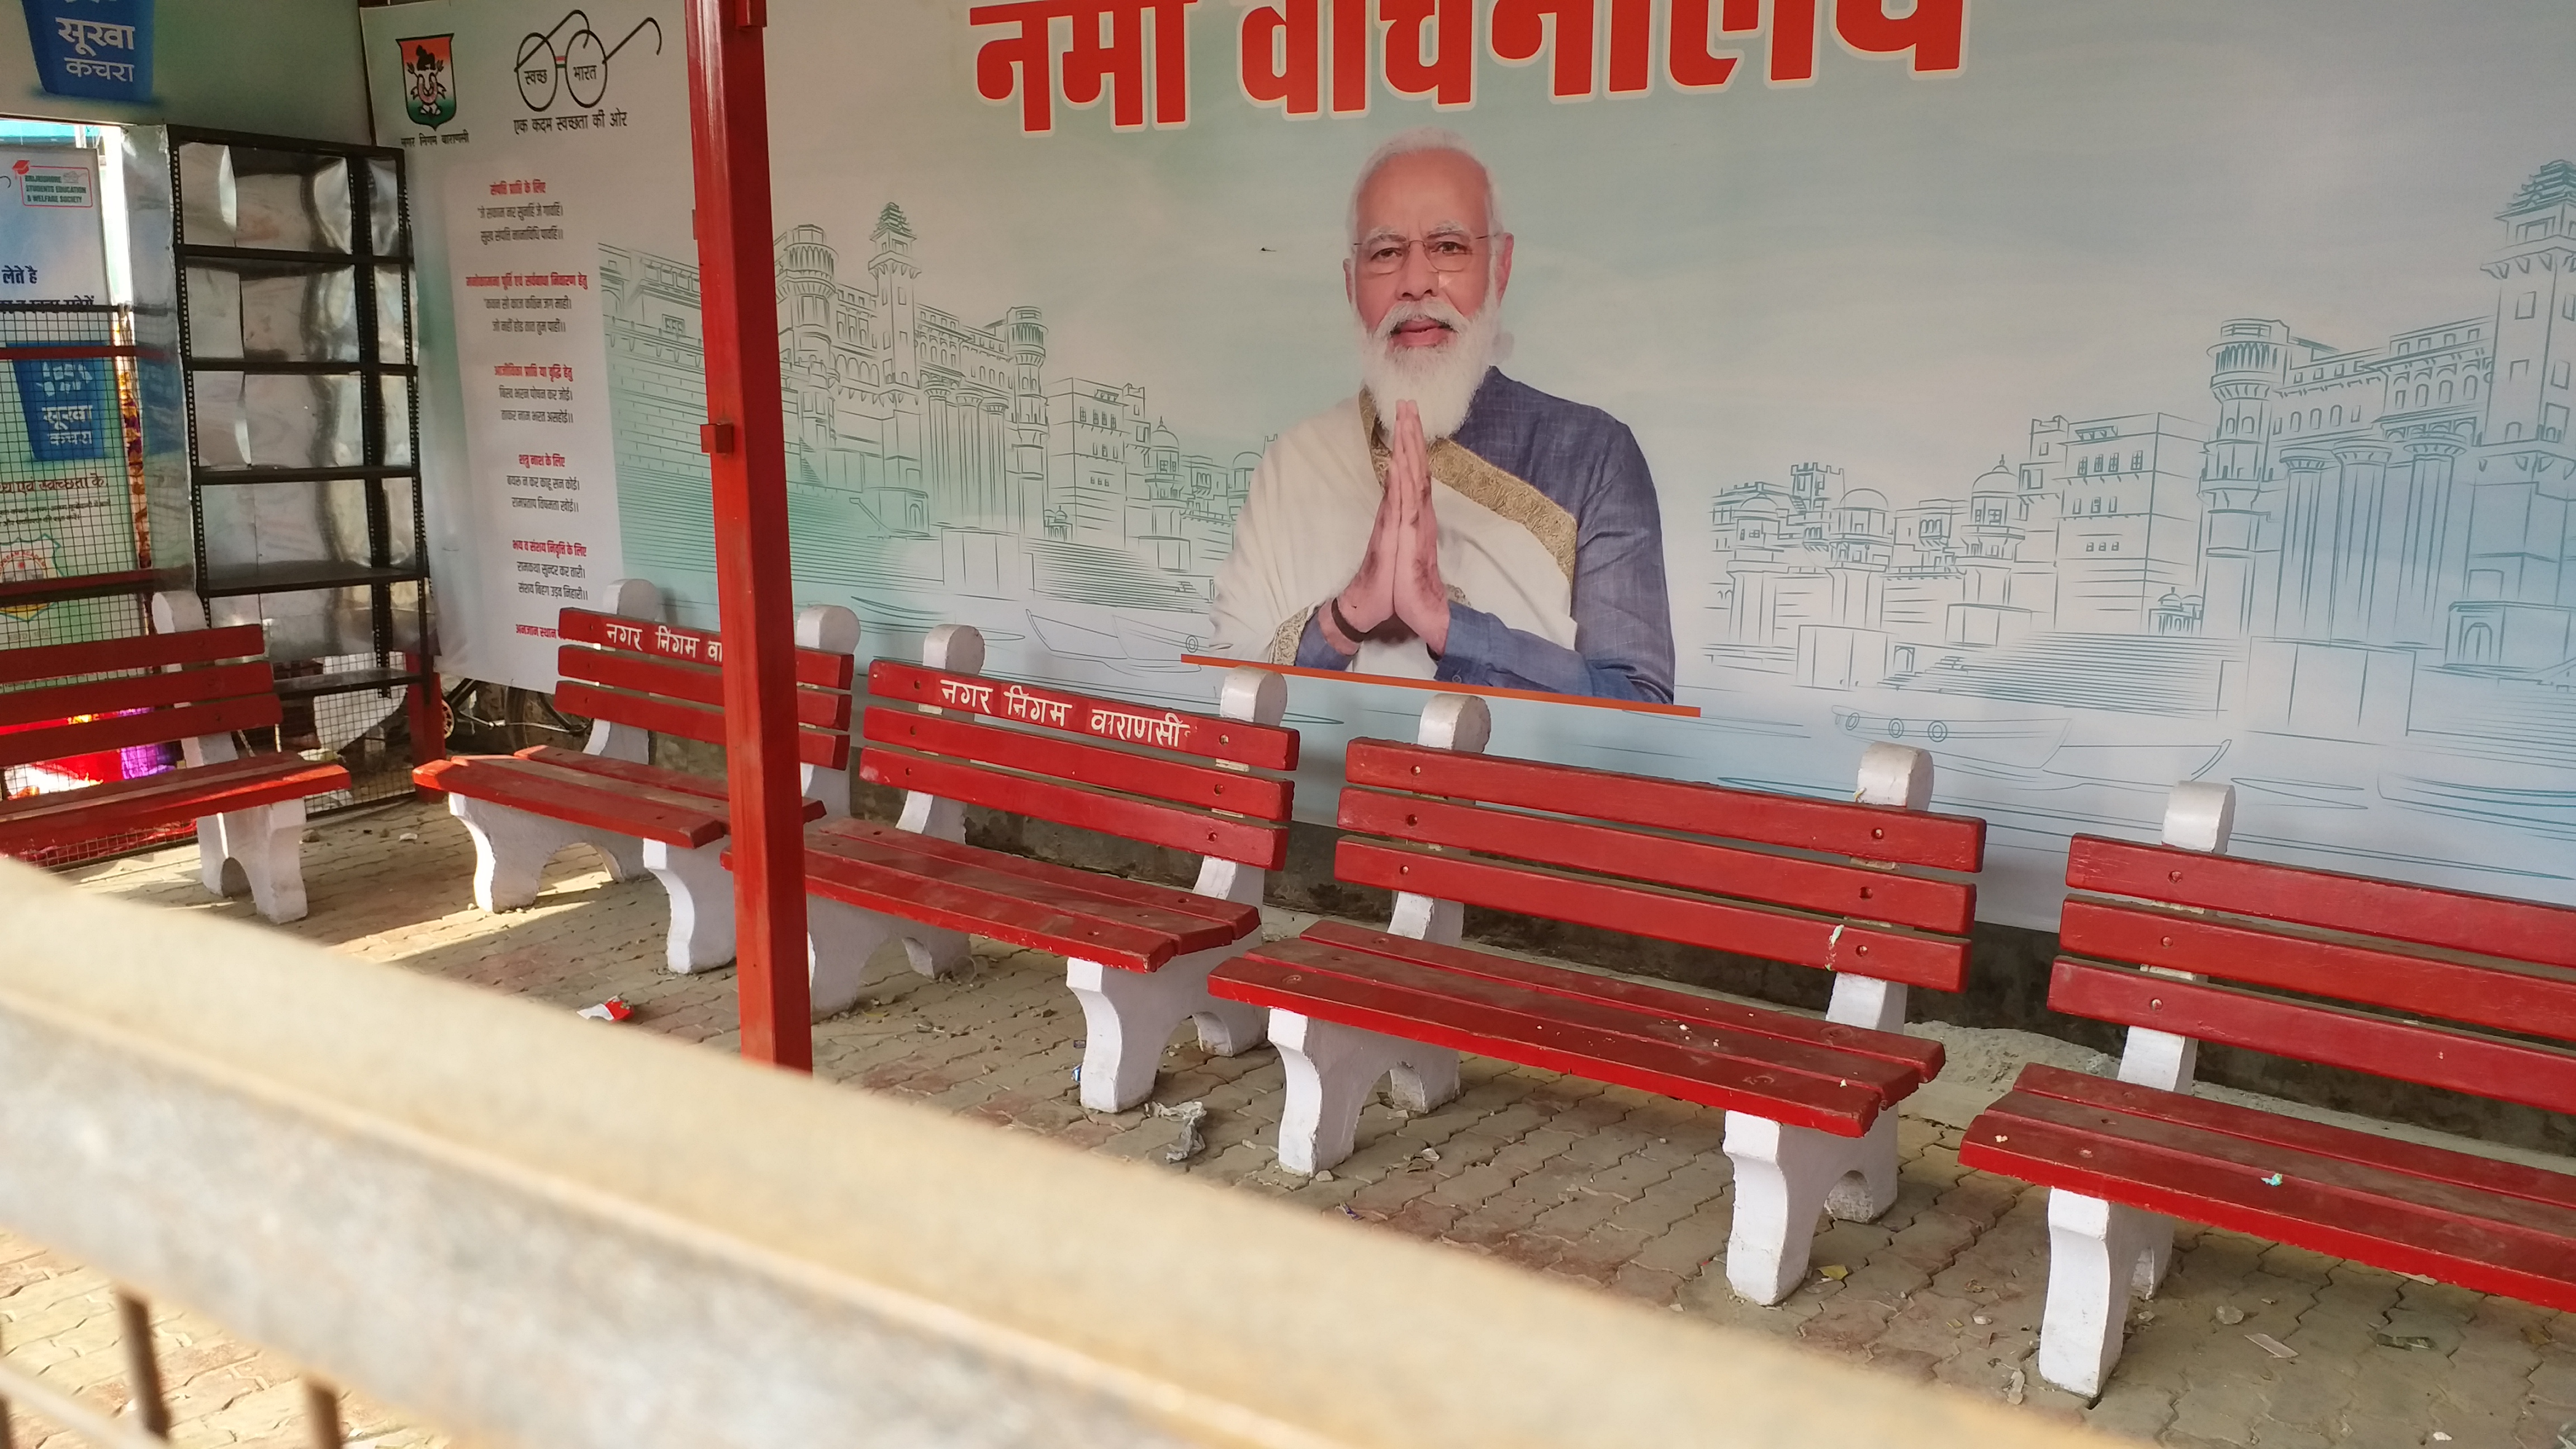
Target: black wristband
(1354, 635)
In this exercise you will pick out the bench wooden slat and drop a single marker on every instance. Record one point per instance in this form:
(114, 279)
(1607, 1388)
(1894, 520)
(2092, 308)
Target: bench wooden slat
(1203, 786)
(524, 785)
(135, 691)
(2418, 915)
(1267, 747)
(685, 795)
(820, 668)
(1673, 1071)
(1865, 832)
(2266, 1132)
(694, 683)
(1918, 1056)
(607, 768)
(2429, 1056)
(1892, 1081)
(1668, 915)
(2525, 999)
(993, 904)
(2383, 1224)
(117, 806)
(141, 651)
(1079, 806)
(823, 749)
(155, 727)
(1698, 865)
(1234, 918)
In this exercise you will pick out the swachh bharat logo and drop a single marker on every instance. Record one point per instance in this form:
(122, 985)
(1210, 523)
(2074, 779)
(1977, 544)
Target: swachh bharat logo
(429, 78)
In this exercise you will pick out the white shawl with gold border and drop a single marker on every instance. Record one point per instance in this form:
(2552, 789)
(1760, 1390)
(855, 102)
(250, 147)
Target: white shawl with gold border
(1505, 547)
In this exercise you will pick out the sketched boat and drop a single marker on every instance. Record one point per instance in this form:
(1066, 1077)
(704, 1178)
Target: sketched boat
(2551, 810)
(1131, 645)
(2138, 764)
(1999, 741)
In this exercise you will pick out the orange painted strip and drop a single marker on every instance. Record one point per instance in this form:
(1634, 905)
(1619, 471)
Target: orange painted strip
(1440, 686)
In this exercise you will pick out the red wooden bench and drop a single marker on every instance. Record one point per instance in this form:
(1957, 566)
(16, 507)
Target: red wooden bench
(188, 684)
(2470, 993)
(1137, 955)
(635, 678)
(1810, 1120)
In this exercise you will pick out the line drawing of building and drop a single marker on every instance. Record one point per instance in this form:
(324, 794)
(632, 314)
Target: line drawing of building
(927, 457)
(2355, 519)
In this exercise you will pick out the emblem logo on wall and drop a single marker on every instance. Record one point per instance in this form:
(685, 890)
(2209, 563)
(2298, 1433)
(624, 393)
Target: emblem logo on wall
(429, 78)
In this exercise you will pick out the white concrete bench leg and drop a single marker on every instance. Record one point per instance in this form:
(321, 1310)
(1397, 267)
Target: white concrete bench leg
(512, 846)
(1785, 1176)
(1128, 1017)
(268, 842)
(2098, 1254)
(701, 892)
(839, 939)
(1331, 1070)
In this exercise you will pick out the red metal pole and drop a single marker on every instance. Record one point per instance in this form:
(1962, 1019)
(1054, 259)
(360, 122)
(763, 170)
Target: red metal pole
(745, 440)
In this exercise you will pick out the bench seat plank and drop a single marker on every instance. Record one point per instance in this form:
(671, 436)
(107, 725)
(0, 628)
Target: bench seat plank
(1918, 1059)
(1811, 885)
(1338, 985)
(2411, 1212)
(1866, 832)
(1666, 914)
(2432, 1056)
(1151, 821)
(1233, 917)
(580, 798)
(1891, 1080)
(625, 771)
(1111, 767)
(117, 806)
(2501, 995)
(987, 893)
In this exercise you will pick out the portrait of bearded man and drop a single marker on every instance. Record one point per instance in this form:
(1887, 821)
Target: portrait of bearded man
(1448, 522)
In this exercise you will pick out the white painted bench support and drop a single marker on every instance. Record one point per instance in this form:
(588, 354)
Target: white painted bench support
(1332, 1069)
(1785, 1177)
(2099, 1253)
(266, 842)
(512, 847)
(1128, 1017)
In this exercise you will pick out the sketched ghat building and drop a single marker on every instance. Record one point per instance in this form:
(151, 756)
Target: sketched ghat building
(925, 454)
(2361, 510)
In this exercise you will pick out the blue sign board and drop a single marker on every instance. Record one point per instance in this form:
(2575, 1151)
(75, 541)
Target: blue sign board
(70, 407)
(96, 48)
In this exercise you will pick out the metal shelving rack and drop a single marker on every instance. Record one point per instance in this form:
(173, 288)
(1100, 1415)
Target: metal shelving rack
(364, 623)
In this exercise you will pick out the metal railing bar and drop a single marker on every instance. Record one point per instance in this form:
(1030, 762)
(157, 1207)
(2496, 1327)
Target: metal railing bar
(607, 1240)
(142, 1365)
(321, 1415)
(28, 1392)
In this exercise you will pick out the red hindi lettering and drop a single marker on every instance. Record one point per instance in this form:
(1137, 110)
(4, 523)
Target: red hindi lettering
(1120, 65)
(1519, 32)
(1282, 56)
(1022, 63)
(1632, 38)
(1450, 75)
(1350, 57)
(1687, 56)
(1935, 32)
(1793, 38)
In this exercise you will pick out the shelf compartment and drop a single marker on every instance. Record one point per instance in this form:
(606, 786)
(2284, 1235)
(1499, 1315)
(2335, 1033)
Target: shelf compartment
(237, 476)
(287, 578)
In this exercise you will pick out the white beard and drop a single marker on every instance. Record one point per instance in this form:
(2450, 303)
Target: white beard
(1439, 381)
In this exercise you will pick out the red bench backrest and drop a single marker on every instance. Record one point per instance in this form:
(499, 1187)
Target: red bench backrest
(670, 680)
(146, 690)
(1809, 882)
(1094, 764)
(2368, 948)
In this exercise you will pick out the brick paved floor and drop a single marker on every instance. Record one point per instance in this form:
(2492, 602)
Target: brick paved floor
(1605, 1186)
